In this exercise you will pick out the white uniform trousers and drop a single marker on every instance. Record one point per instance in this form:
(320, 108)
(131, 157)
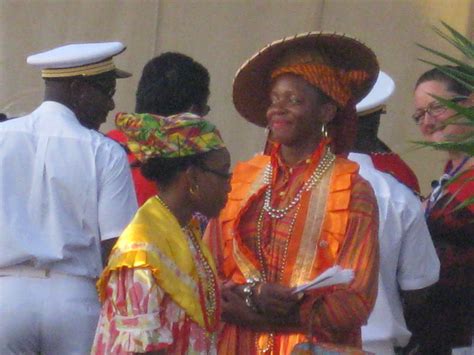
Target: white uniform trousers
(47, 312)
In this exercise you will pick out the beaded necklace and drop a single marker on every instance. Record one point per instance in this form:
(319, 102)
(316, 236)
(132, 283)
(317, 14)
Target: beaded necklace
(275, 213)
(315, 177)
(207, 284)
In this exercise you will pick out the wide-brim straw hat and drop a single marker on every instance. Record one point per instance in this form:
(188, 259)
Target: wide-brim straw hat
(252, 81)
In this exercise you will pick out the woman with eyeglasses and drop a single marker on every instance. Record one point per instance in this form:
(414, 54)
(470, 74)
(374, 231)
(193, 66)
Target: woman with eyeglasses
(446, 321)
(159, 290)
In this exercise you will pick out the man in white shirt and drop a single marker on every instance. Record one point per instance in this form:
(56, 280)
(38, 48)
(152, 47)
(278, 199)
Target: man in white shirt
(408, 260)
(66, 194)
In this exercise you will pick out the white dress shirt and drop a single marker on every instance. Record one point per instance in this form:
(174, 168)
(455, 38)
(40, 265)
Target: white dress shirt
(408, 259)
(63, 189)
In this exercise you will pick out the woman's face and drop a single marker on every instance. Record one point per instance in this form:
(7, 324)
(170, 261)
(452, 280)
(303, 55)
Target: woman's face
(213, 183)
(294, 113)
(431, 123)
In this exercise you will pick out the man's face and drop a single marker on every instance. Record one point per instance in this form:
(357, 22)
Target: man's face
(95, 100)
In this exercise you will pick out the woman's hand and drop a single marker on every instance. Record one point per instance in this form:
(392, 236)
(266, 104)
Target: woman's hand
(276, 307)
(275, 300)
(234, 308)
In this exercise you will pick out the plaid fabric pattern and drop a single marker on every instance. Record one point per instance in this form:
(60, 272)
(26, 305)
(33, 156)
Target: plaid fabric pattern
(337, 84)
(175, 136)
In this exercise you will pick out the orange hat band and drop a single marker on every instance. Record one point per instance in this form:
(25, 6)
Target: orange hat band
(335, 83)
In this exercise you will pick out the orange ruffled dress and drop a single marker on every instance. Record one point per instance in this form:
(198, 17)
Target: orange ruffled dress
(336, 222)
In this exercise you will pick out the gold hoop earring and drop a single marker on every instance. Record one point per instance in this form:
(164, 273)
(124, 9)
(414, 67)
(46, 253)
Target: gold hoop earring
(193, 190)
(324, 131)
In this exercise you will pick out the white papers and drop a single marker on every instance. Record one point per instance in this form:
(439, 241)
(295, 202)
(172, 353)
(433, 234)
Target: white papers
(333, 276)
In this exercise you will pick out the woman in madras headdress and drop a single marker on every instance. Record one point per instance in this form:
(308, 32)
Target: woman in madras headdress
(159, 290)
(302, 209)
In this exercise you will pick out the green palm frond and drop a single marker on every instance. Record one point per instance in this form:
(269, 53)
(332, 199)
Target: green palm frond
(462, 146)
(456, 39)
(463, 76)
(465, 112)
(462, 73)
(449, 58)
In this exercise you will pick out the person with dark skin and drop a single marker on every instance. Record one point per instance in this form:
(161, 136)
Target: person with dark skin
(170, 83)
(408, 261)
(279, 229)
(61, 219)
(160, 276)
(368, 141)
(91, 100)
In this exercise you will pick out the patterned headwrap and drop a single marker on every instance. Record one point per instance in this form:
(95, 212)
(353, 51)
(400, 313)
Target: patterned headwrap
(336, 83)
(341, 67)
(175, 136)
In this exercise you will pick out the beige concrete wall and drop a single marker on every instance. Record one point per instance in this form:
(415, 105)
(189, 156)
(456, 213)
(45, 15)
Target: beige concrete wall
(29, 26)
(222, 34)
(229, 32)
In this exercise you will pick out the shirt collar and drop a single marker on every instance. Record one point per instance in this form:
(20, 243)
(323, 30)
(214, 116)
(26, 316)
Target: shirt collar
(361, 159)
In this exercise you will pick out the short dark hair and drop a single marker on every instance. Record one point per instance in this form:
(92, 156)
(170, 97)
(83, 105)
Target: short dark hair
(437, 75)
(171, 83)
(164, 170)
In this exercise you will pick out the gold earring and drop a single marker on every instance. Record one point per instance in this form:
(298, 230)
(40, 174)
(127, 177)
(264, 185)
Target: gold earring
(324, 131)
(193, 190)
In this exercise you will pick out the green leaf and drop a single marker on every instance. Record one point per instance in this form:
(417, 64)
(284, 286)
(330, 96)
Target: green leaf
(467, 112)
(442, 55)
(464, 74)
(464, 146)
(459, 74)
(464, 42)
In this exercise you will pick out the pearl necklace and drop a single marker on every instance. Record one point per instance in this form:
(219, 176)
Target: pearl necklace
(276, 213)
(206, 277)
(315, 177)
(259, 245)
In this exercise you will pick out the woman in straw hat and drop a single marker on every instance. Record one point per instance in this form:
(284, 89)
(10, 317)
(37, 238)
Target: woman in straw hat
(301, 210)
(159, 289)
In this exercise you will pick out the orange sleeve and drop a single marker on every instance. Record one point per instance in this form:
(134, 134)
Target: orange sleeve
(341, 311)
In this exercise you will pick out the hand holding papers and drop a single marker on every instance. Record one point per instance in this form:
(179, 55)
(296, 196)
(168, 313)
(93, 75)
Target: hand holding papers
(333, 276)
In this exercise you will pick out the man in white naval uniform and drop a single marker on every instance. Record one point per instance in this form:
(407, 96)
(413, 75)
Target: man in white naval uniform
(408, 260)
(66, 194)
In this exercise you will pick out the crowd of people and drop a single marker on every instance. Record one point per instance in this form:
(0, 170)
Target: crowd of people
(144, 240)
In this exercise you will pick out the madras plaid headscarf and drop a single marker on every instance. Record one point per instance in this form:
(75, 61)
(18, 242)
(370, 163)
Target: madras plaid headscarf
(339, 85)
(335, 83)
(175, 136)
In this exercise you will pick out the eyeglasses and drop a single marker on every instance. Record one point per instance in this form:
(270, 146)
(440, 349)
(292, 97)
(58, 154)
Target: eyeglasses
(109, 92)
(434, 109)
(221, 174)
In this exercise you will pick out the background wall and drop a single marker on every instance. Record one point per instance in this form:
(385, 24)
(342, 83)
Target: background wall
(222, 34)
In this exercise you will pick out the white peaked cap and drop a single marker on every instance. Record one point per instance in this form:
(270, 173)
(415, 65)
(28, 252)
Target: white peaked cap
(375, 100)
(80, 59)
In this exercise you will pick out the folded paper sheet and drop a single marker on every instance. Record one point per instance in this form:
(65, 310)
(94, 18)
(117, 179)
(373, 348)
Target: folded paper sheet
(333, 276)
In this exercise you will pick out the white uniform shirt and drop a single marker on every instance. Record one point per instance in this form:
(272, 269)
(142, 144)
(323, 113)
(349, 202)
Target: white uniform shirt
(63, 189)
(408, 259)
